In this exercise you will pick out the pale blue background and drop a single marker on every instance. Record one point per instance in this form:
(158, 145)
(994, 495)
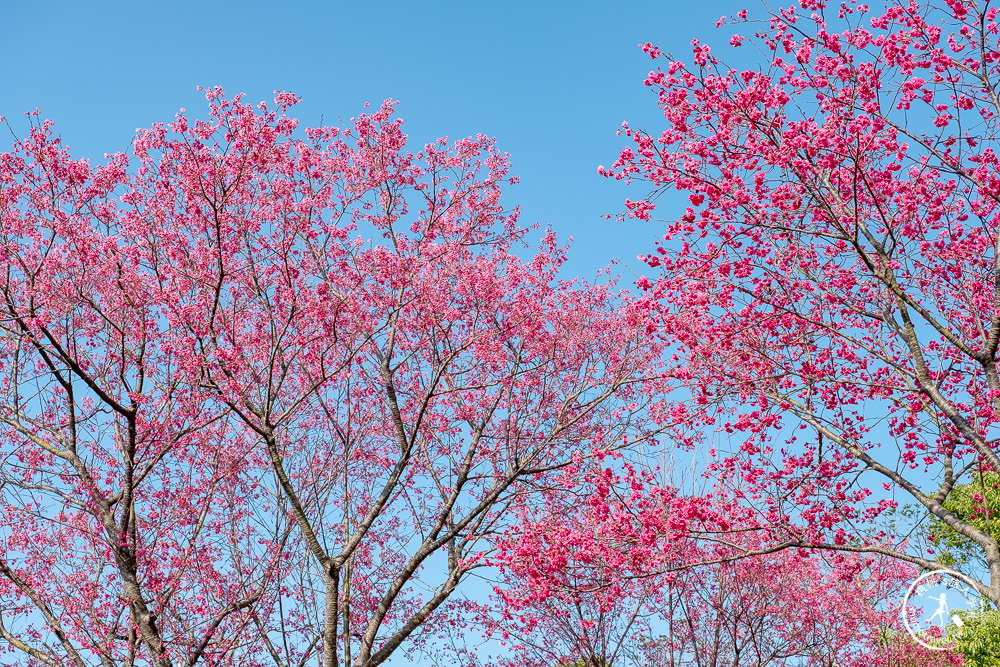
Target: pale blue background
(551, 80)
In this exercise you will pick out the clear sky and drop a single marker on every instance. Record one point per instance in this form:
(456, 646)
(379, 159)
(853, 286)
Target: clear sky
(551, 80)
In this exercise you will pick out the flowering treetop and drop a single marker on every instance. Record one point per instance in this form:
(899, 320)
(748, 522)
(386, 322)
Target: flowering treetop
(833, 288)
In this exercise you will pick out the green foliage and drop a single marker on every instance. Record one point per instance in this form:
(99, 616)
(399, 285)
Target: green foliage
(976, 502)
(978, 639)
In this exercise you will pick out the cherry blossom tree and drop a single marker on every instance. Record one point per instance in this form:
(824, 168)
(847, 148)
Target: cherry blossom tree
(269, 397)
(577, 590)
(832, 291)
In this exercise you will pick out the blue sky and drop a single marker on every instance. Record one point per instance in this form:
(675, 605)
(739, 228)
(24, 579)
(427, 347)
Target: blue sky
(552, 81)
